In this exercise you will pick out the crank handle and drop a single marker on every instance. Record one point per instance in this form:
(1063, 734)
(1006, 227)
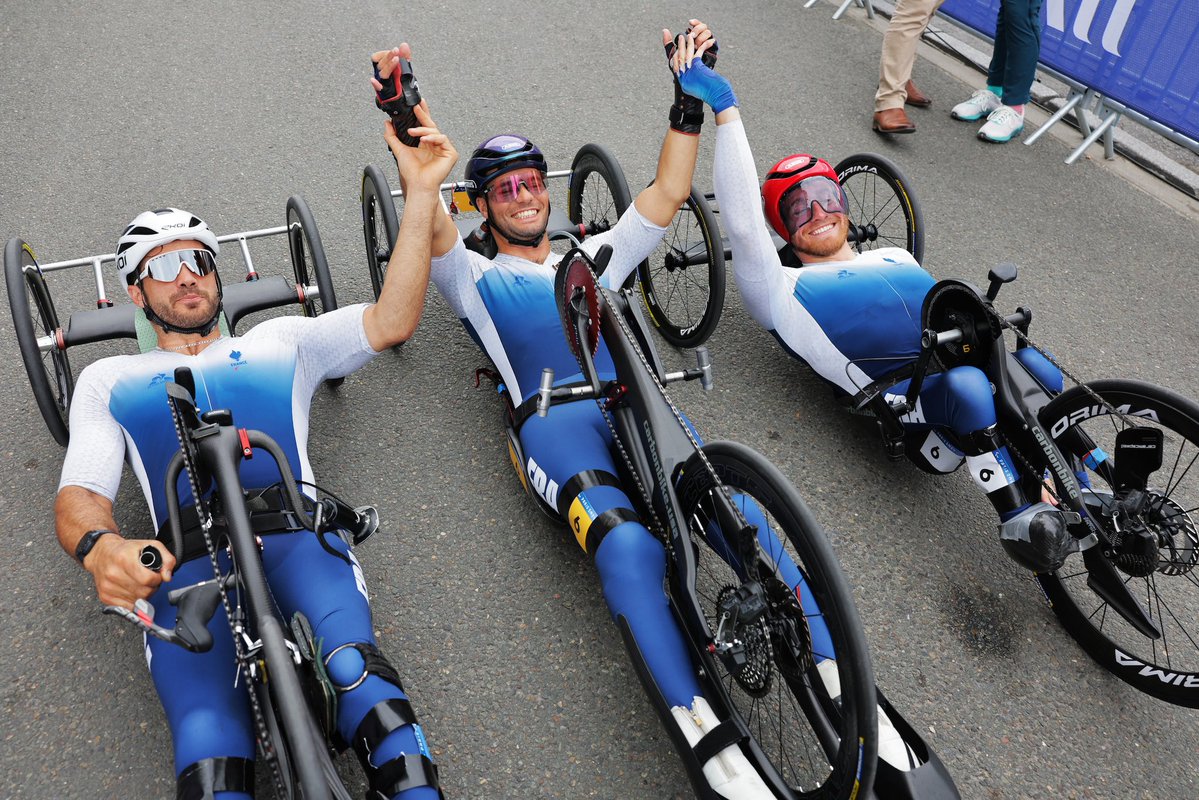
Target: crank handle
(544, 391)
(703, 371)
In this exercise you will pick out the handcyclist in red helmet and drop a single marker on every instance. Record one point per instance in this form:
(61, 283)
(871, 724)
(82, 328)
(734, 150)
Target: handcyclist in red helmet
(854, 317)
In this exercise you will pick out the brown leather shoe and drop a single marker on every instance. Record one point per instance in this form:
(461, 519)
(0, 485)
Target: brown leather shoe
(916, 97)
(893, 120)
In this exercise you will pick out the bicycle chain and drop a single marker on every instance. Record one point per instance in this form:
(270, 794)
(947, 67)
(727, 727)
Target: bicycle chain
(243, 658)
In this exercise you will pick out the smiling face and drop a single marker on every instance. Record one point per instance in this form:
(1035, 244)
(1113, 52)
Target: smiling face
(516, 205)
(188, 301)
(823, 237)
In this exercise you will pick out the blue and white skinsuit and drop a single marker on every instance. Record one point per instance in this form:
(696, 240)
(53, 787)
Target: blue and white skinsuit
(266, 378)
(507, 305)
(856, 321)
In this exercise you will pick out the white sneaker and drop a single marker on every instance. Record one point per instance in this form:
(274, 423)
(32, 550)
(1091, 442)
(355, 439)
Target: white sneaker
(1002, 124)
(729, 771)
(891, 746)
(980, 104)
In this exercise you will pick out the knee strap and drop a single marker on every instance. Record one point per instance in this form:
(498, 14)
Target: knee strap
(401, 774)
(373, 663)
(588, 527)
(386, 716)
(203, 779)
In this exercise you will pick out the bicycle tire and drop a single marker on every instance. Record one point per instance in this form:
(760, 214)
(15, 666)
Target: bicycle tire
(1169, 670)
(33, 315)
(297, 740)
(683, 280)
(786, 716)
(378, 216)
(877, 190)
(308, 260)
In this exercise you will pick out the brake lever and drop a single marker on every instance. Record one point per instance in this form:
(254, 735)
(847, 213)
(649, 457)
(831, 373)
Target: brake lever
(197, 603)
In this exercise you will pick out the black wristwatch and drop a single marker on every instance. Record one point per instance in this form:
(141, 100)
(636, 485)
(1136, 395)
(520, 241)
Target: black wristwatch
(88, 542)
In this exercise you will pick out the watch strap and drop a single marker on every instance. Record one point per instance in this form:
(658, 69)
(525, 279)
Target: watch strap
(88, 542)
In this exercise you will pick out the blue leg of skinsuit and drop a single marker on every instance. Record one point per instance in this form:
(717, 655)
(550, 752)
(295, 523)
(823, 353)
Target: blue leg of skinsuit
(574, 439)
(209, 718)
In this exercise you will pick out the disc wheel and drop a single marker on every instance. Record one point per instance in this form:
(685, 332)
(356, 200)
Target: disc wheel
(682, 282)
(34, 317)
(1158, 548)
(309, 262)
(810, 739)
(379, 224)
(883, 209)
(598, 193)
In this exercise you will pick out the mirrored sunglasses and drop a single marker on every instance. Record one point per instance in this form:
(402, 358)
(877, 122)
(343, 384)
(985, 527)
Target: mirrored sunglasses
(166, 267)
(506, 188)
(797, 203)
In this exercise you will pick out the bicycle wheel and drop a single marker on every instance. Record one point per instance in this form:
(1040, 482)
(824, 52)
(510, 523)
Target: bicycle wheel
(883, 209)
(1156, 545)
(306, 768)
(33, 316)
(598, 192)
(308, 259)
(682, 282)
(379, 224)
(818, 742)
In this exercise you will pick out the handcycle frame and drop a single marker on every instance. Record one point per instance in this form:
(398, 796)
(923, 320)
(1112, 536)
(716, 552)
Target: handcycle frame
(971, 330)
(41, 337)
(660, 453)
(211, 451)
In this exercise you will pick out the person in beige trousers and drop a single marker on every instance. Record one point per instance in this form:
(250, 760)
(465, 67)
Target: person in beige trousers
(895, 87)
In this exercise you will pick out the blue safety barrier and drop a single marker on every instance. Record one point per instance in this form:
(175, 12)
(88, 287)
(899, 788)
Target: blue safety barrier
(1144, 54)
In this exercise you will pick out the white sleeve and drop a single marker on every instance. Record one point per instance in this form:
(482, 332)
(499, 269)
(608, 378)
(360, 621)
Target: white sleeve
(96, 451)
(633, 238)
(756, 265)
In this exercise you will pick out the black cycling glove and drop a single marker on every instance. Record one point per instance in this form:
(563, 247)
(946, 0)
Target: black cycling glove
(687, 113)
(399, 103)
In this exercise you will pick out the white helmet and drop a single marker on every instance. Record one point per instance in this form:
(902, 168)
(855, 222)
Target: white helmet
(150, 229)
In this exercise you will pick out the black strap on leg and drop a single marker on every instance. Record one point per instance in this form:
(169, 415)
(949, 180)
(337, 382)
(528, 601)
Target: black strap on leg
(385, 717)
(373, 663)
(602, 525)
(716, 740)
(587, 479)
(401, 774)
(203, 779)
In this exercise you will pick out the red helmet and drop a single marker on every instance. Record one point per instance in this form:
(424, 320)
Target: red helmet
(786, 175)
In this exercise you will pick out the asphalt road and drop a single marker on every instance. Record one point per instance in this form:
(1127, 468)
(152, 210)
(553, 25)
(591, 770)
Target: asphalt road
(493, 615)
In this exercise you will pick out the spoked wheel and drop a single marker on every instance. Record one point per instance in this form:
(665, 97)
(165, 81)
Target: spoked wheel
(682, 282)
(802, 682)
(379, 224)
(309, 262)
(598, 192)
(1156, 550)
(34, 318)
(883, 210)
(306, 768)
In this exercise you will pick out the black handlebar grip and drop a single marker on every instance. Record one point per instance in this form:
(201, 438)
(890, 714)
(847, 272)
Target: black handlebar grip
(399, 103)
(151, 558)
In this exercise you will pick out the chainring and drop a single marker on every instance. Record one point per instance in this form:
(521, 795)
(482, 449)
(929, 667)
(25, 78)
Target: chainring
(575, 285)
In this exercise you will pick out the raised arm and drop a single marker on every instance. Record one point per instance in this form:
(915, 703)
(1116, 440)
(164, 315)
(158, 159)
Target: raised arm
(695, 84)
(422, 169)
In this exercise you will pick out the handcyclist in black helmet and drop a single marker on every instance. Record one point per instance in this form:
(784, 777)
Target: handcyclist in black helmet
(507, 304)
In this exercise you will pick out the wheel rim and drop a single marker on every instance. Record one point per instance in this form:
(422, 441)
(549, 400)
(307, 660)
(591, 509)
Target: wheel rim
(677, 291)
(1157, 556)
(378, 255)
(55, 365)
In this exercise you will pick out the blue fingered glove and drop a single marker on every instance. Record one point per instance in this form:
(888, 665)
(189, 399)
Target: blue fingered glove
(701, 81)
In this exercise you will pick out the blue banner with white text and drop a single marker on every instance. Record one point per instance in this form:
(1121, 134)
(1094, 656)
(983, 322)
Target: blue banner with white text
(1141, 53)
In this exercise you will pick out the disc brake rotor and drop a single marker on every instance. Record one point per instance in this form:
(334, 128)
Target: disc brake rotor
(755, 676)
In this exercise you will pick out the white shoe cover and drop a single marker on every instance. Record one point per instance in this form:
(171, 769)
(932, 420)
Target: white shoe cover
(729, 771)
(891, 746)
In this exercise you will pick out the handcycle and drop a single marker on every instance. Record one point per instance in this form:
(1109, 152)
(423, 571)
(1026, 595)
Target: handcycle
(684, 281)
(278, 659)
(746, 596)
(597, 194)
(1122, 458)
(43, 339)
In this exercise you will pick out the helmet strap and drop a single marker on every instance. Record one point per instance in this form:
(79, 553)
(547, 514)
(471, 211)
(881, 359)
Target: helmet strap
(203, 329)
(518, 241)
